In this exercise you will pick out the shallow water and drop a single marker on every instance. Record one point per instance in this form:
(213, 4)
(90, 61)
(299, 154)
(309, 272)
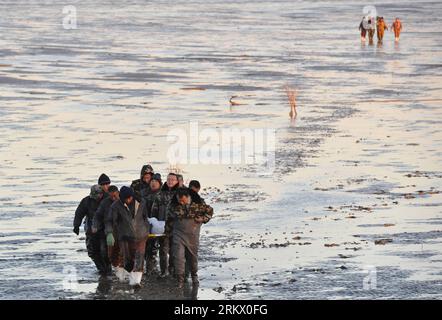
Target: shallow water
(75, 103)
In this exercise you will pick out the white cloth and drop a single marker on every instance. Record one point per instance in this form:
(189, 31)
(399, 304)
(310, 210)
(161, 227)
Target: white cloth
(135, 278)
(157, 227)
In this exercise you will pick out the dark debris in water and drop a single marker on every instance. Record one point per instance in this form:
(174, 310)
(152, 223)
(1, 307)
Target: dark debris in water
(333, 280)
(382, 241)
(424, 174)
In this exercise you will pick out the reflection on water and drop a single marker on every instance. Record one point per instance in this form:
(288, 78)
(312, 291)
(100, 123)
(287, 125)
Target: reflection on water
(108, 288)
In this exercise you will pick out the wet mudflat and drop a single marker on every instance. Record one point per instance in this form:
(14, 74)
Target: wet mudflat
(354, 200)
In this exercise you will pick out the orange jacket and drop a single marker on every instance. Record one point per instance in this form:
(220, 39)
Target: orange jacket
(381, 25)
(397, 25)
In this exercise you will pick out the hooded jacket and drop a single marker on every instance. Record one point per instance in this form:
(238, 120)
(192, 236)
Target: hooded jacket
(87, 208)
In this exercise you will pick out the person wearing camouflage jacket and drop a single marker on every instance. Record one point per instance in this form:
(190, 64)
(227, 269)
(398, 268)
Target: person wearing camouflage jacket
(187, 217)
(159, 211)
(141, 186)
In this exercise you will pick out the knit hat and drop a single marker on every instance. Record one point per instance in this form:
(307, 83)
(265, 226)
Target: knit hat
(157, 177)
(112, 189)
(126, 192)
(147, 168)
(96, 191)
(103, 179)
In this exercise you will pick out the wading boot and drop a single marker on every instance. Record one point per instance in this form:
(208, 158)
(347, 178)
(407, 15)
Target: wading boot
(180, 281)
(195, 280)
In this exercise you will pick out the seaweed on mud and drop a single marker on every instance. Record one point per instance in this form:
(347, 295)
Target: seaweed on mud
(336, 281)
(209, 243)
(234, 193)
(424, 174)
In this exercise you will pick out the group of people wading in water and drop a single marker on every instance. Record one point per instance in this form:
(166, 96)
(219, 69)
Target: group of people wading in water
(369, 26)
(128, 226)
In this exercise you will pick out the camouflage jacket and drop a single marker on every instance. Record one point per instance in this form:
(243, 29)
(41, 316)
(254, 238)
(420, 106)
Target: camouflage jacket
(140, 189)
(149, 199)
(161, 203)
(192, 211)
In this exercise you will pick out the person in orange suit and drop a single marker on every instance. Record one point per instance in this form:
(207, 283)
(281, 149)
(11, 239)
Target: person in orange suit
(381, 26)
(396, 27)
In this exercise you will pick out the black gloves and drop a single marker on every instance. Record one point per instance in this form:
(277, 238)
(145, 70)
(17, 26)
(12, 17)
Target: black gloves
(77, 230)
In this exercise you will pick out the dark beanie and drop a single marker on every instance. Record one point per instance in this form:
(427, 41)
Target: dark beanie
(103, 179)
(157, 177)
(126, 192)
(194, 183)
